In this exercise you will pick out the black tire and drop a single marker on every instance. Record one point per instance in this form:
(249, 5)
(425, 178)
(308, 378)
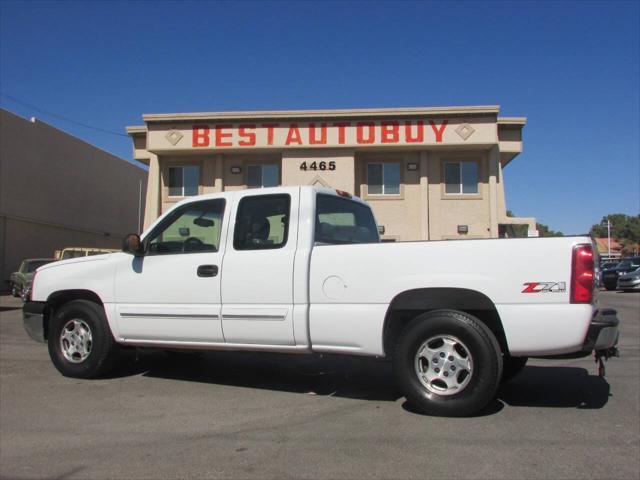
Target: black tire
(482, 346)
(103, 347)
(512, 366)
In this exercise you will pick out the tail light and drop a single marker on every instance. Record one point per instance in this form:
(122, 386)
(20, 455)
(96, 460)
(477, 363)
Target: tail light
(582, 274)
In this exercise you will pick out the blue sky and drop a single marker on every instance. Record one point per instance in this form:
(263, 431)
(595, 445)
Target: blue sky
(572, 68)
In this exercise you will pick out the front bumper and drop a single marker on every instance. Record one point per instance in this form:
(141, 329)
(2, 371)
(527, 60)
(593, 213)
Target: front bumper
(33, 314)
(603, 331)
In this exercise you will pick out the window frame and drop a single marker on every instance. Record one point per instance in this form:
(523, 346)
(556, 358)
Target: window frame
(261, 166)
(285, 238)
(170, 218)
(461, 193)
(383, 163)
(182, 167)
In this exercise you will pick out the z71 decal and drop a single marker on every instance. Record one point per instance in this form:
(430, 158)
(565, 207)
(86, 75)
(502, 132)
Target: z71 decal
(544, 287)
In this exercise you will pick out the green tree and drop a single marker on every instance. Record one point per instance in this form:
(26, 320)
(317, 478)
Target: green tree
(624, 228)
(543, 230)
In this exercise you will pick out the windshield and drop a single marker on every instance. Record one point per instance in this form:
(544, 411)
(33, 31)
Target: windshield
(32, 266)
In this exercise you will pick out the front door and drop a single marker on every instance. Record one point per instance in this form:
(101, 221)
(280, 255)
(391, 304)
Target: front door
(172, 293)
(257, 286)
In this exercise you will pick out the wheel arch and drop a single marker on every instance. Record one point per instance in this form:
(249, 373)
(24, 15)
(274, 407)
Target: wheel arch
(57, 299)
(406, 305)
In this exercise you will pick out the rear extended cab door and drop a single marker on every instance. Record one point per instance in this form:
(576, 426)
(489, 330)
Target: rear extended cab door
(258, 267)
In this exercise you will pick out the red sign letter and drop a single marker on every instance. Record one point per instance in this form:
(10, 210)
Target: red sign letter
(371, 135)
(341, 129)
(200, 135)
(293, 135)
(250, 136)
(419, 138)
(389, 131)
(220, 136)
(270, 127)
(312, 134)
(439, 131)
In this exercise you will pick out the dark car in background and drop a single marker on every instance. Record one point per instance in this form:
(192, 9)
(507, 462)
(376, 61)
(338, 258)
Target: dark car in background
(605, 267)
(21, 280)
(610, 277)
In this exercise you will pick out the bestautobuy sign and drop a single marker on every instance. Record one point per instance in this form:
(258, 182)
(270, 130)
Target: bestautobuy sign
(231, 136)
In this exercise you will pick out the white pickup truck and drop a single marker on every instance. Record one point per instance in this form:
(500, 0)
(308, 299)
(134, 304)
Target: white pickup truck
(302, 270)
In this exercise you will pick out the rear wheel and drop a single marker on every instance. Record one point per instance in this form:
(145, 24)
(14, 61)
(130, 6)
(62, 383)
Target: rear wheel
(448, 363)
(80, 341)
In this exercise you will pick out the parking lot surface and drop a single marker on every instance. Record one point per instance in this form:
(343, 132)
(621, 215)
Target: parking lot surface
(242, 415)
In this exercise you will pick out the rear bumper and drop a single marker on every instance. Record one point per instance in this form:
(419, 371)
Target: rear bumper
(33, 320)
(603, 331)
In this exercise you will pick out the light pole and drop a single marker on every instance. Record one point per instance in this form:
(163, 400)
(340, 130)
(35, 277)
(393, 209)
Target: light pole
(609, 238)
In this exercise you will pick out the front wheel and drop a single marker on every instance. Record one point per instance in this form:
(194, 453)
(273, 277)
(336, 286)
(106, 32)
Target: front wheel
(448, 363)
(80, 341)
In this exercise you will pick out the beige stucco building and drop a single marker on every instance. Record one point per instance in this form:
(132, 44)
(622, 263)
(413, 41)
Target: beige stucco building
(429, 173)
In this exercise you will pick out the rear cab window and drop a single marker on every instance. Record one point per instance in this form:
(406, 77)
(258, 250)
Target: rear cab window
(342, 221)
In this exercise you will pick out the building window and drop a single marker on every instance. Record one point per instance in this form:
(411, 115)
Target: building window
(461, 178)
(383, 179)
(184, 181)
(261, 176)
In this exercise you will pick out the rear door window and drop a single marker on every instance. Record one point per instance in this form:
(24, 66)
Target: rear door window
(262, 222)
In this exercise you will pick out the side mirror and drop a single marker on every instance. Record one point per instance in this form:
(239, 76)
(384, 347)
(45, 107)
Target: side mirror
(381, 229)
(132, 244)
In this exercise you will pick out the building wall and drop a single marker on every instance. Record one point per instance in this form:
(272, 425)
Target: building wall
(57, 191)
(446, 212)
(420, 211)
(400, 214)
(420, 140)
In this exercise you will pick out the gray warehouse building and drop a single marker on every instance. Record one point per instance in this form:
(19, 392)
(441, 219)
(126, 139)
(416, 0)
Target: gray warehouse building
(57, 191)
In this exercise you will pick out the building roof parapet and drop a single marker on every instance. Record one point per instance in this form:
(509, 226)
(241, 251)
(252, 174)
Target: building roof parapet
(137, 129)
(340, 113)
(515, 121)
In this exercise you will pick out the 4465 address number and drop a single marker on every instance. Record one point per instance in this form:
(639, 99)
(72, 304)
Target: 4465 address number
(331, 165)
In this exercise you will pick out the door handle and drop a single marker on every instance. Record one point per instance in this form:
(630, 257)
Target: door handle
(207, 270)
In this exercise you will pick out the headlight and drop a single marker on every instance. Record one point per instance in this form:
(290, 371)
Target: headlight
(26, 293)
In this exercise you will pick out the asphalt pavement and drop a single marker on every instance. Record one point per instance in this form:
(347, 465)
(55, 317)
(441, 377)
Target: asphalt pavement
(246, 415)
